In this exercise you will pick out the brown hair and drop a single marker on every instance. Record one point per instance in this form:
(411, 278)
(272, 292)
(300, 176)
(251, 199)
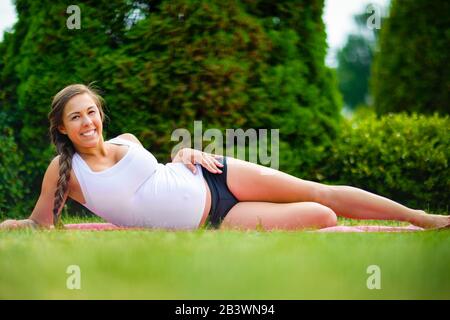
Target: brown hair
(64, 146)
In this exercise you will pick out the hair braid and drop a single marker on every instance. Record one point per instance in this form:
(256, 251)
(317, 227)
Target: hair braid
(66, 152)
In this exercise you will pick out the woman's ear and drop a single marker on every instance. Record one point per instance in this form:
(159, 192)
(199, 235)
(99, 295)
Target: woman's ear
(62, 129)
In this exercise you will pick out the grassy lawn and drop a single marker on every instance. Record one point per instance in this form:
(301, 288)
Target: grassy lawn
(206, 264)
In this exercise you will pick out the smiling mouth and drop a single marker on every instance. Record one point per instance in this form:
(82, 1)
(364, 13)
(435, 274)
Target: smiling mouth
(89, 133)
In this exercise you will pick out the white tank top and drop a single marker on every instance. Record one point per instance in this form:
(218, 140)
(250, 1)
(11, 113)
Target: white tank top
(140, 192)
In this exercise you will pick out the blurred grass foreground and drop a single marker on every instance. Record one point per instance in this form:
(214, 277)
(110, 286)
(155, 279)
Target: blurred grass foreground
(223, 265)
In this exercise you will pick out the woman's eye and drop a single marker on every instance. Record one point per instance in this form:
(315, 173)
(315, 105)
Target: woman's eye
(92, 111)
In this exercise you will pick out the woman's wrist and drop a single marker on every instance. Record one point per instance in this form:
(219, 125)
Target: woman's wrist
(28, 223)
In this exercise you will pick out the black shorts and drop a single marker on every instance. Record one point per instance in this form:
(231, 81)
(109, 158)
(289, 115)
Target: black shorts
(222, 200)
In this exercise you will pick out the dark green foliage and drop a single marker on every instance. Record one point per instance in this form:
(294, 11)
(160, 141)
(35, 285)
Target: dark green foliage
(404, 158)
(411, 72)
(12, 189)
(298, 93)
(163, 64)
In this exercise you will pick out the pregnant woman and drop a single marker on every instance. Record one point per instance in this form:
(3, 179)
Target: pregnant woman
(122, 182)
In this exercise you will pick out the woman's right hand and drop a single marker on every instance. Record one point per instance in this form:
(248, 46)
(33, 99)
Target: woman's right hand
(17, 224)
(189, 157)
(9, 224)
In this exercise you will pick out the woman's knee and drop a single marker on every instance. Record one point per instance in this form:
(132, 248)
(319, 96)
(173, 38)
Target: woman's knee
(326, 217)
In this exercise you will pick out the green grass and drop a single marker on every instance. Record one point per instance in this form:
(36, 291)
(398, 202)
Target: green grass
(341, 221)
(206, 264)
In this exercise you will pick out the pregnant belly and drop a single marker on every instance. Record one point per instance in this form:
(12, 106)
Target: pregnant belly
(182, 169)
(173, 196)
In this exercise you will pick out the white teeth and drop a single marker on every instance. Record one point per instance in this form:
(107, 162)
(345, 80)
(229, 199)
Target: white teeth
(89, 133)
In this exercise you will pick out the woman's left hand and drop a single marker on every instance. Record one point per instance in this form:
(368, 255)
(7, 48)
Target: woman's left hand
(190, 157)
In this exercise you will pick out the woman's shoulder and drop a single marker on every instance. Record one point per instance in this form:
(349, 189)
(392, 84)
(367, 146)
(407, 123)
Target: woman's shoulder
(129, 137)
(51, 175)
(54, 167)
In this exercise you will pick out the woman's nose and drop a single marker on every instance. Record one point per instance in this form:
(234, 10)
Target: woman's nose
(87, 121)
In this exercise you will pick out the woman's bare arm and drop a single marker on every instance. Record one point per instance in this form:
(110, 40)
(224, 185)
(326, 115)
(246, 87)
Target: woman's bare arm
(42, 215)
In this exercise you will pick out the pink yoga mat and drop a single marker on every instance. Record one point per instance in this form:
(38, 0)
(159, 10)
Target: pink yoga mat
(97, 227)
(110, 226)
(370, 229)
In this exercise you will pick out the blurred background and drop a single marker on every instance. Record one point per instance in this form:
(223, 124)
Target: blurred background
(358, 89)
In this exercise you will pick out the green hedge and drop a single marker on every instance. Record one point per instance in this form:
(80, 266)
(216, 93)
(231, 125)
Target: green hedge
(402, 157)
(12, 188)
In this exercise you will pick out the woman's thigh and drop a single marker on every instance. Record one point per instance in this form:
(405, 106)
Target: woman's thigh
(253, 182)
(284, 216)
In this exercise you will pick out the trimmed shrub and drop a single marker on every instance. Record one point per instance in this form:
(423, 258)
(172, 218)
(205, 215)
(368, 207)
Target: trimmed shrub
(402, 157)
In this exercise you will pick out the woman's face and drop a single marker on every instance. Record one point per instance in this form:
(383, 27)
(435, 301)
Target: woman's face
(82, 121)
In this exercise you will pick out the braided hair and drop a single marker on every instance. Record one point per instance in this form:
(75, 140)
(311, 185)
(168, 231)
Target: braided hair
(64, 146)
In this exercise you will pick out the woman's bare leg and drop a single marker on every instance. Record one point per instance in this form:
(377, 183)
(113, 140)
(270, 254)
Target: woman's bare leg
(281, 216)
(356, 203)
(252, 182)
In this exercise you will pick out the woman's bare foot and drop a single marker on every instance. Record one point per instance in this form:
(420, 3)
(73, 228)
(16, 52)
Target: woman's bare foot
(430, 221)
